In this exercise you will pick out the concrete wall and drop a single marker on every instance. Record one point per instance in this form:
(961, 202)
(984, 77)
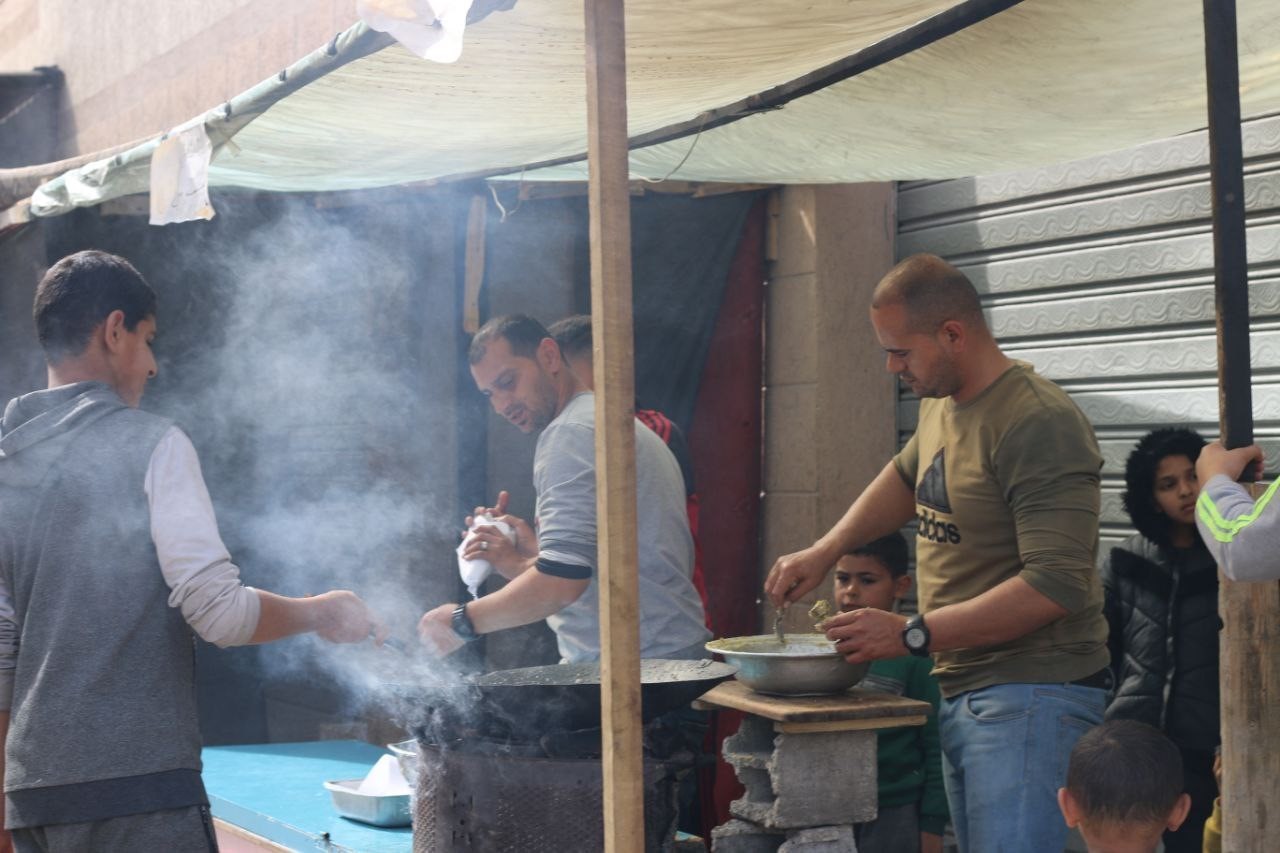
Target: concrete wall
(829, 404)
(135, 68)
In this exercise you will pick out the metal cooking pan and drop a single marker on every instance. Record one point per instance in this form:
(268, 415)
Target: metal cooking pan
(527, 704)
(566, 697)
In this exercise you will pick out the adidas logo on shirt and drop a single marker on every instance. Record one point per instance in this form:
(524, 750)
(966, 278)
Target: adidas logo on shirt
(932, 493)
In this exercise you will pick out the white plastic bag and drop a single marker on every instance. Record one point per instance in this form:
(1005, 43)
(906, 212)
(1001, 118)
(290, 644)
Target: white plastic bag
(474, 572)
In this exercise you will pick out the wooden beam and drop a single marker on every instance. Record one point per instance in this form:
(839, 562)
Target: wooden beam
(1249, 659)
(473, 270)
(609, 198)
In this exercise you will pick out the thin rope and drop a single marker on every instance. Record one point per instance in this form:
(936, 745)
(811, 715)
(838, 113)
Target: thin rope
(683, 159)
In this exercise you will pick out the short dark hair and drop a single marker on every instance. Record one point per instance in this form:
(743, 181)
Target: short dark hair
(78, 293)
(521, 332)
(890, 550)
(573, 334)
(1138, 497)
(932, 291)
(1125, 771)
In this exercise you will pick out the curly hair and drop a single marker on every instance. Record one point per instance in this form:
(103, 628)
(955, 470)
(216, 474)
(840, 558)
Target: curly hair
(1140, 478)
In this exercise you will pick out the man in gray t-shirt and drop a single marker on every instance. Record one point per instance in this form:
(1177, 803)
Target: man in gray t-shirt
(518, 366)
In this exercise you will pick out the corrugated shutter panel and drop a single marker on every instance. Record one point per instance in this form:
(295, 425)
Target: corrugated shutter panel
(1100, 273)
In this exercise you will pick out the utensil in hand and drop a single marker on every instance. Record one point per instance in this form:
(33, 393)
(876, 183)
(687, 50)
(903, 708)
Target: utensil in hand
(392, 643)
(777, 624)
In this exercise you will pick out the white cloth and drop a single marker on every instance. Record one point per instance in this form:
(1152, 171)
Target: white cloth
(431, 29)
(180, 176)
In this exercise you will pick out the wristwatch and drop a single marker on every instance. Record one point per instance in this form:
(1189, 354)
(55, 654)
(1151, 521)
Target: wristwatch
(462, 626)
(915, 636)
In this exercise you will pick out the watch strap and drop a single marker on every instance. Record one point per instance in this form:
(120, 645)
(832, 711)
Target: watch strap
(462, 625)
(916, 625)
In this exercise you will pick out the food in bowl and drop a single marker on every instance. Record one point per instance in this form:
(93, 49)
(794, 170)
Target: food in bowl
(819, 613)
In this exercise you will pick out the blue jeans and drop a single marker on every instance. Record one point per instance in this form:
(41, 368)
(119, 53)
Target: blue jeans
(1005, 750)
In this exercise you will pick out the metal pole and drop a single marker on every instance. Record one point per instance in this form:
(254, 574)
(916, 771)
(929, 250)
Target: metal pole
(1249, 660)
(1226, 167)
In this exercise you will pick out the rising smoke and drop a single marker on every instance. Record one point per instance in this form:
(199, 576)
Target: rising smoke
(315, 368)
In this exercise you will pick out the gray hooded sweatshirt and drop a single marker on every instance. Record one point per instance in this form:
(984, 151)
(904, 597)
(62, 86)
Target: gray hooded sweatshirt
(103, 713)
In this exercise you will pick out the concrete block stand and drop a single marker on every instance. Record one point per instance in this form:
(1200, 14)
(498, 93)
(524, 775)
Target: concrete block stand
(808, 765)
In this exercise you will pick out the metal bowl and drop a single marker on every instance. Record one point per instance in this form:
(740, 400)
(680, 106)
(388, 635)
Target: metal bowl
(806, 665)
(406, 753)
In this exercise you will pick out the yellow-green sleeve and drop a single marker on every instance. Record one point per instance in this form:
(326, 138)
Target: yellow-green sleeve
(1048, 467)
(908, 462)
(1213, 829)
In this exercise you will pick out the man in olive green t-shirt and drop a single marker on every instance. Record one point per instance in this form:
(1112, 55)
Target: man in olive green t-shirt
(1001, 477)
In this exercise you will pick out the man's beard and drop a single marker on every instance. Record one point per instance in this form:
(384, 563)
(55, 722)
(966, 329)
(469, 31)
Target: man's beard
(944, 384)
(543, 412)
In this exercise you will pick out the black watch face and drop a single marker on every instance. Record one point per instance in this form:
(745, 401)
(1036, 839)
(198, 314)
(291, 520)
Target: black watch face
(915, 638)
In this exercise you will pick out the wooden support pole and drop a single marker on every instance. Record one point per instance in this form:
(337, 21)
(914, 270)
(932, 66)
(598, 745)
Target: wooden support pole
(1249, 659)
(613, 364)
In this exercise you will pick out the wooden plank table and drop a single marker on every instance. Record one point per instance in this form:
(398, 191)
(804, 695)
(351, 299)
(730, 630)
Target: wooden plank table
(856, 709)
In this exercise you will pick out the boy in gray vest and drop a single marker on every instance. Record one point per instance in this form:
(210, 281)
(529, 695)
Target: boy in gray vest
(110, 559)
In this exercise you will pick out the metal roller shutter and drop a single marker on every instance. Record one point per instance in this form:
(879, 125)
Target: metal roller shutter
(1100, 273)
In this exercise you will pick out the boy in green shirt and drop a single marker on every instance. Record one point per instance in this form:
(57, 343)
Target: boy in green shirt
(913, 802)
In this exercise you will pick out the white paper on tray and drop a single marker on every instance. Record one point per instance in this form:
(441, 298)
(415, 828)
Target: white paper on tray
(384, 780)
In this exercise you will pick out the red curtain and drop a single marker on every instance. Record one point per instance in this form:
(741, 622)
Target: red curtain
(725, 444)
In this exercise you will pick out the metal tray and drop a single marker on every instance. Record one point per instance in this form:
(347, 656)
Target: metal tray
(389, 810)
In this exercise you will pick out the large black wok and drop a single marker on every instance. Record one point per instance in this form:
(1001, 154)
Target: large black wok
(529, 703)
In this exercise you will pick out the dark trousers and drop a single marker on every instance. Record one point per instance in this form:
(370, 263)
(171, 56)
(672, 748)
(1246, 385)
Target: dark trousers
(895, 830)
(186, 830)
(1197, 772)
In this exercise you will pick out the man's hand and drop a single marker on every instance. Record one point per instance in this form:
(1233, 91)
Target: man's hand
(1216, 459)
(435, 630)
(487, 542)
(930, 843)
(795, 574)
(866, 635)
(341, 617)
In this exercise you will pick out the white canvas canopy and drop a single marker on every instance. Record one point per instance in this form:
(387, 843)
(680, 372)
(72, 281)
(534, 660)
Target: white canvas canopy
(718, 90)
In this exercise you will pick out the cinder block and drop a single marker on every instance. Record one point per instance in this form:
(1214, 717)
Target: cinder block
(802, 780)
(738, 836)
(820, 839)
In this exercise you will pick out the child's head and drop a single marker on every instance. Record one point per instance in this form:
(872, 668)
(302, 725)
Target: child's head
(874, 575)
(1160, 482)
(1124, 787)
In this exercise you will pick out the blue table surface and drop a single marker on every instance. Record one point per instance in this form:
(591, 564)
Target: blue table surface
(276, 790)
